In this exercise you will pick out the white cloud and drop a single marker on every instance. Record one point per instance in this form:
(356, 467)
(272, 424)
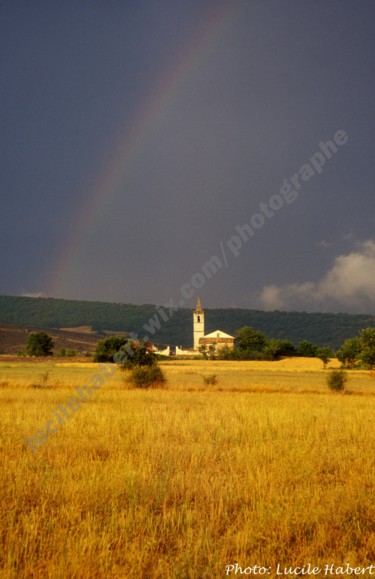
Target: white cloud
(33, 295)
(324, 244)
(349, 285)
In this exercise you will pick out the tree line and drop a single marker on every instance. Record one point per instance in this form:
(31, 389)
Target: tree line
(250, 344)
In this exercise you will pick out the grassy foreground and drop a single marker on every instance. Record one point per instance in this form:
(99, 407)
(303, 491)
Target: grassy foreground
(184, 481)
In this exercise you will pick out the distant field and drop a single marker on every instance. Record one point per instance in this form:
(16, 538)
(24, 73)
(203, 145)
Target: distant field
(266, 467)
(289, 375)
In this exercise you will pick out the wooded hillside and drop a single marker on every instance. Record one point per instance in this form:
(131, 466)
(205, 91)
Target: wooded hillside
(322, 329)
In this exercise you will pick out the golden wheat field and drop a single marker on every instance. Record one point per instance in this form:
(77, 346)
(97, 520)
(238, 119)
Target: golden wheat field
(266, 467)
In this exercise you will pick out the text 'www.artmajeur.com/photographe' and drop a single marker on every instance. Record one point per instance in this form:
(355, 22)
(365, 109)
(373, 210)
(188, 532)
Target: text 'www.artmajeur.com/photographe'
(327, 570)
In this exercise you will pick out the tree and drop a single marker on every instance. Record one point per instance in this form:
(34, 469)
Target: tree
(107, 348)
(307, 349)
(203, 350)
(286, 348)
(324, 354)
(226, 353)
(367, 345)
(250, 340)
(349, 352)
(124, 352)
(272, 350)
(39, 344)
(275, 349)
(140, 355)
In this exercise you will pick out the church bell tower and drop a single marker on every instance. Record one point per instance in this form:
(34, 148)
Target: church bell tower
(198, 324)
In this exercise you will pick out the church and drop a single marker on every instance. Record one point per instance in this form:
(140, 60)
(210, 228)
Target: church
(215, 340)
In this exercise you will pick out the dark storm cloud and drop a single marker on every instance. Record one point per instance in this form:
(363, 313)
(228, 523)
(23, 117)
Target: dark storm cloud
(273, 81)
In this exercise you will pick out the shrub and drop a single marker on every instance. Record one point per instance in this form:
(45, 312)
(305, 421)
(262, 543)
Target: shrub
(147, 377)
(210, 380)
(336, 380)
(63, 352)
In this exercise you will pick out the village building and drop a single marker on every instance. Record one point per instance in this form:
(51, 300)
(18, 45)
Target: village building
(214, 341)
(209, 343)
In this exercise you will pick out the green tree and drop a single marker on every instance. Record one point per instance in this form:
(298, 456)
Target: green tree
(271, 350)
(275, 349)
(367, 345)
(324, 354)
(250, 340)
(107, 348)
(39, 344)
(307, 349)
(349, 352)
(142, 355)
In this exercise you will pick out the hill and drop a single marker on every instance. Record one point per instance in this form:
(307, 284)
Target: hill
(13, 338)
(149, 320)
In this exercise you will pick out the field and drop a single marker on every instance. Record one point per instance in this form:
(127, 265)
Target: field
(267, 467)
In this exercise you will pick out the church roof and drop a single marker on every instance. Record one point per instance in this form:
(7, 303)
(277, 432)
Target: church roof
(198, 309)
(218, 334)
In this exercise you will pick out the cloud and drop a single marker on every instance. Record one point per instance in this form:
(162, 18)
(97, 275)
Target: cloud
(324, 244)
(348, 286)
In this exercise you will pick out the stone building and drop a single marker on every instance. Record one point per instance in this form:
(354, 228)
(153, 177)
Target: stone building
(215, 340)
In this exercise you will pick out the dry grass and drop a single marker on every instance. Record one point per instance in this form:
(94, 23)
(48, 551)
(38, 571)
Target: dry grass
(172, 483)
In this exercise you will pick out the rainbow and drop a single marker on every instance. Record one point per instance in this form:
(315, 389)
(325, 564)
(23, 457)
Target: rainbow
(150, 115)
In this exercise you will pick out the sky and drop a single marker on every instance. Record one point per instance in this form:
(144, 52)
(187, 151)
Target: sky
(154, 151)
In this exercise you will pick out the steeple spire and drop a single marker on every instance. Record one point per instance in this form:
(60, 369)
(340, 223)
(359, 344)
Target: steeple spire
(198, 309)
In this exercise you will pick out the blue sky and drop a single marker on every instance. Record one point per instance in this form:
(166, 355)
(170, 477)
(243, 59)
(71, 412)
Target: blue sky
(230, 99)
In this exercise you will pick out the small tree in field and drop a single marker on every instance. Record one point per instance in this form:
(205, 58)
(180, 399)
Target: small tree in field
(336, 380)
(349, 352)
(39, 344)
(324, 354)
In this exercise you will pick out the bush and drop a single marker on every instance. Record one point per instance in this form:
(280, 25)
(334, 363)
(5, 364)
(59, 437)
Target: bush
(336, 380)
(147, 377)
(210, 380)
